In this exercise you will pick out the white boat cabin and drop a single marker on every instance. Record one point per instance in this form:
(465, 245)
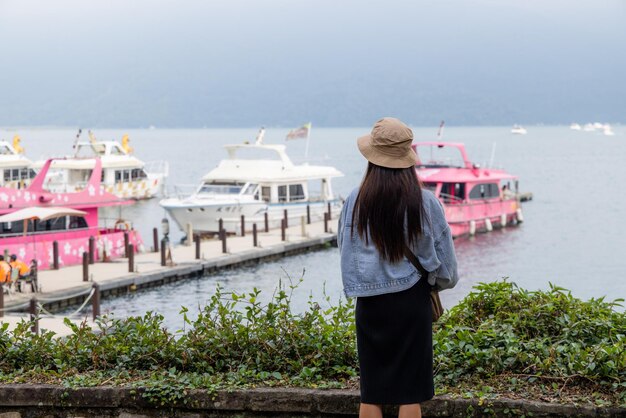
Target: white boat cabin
(15, 169)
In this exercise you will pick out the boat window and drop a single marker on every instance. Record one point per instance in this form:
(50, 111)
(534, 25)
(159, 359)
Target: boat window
(217, 187)
(282, 193)
(266, 193)
(54, 224)
(296, 192)
(126, 175)
(452, 192)
(77, 222)
(485, 191)
(142, 174)
(250, 189)
(137, 173)
(118, 176)
(27, 173)
(5, 150)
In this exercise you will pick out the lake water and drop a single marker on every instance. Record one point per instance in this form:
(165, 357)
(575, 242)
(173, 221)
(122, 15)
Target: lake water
(574, 234)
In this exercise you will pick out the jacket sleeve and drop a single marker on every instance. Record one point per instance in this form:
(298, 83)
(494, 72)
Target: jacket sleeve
(446, 275)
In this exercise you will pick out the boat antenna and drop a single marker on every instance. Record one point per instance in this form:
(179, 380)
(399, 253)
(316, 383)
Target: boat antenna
(80, 131)
(493, 155)
(440, 130)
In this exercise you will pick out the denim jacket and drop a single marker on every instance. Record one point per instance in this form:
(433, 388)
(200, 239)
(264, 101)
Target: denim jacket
(365, 273)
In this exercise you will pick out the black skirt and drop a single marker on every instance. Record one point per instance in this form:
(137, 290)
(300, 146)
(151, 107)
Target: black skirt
(394, 341)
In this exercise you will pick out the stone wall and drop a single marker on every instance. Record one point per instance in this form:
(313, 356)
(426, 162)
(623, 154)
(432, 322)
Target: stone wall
(39, 401)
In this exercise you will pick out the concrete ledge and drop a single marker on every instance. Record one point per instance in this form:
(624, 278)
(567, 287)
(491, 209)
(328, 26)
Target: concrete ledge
(26, 401)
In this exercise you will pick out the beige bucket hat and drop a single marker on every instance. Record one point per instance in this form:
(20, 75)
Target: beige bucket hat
(389, 144)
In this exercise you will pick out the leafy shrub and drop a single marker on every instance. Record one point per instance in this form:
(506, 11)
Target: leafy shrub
(498, 333)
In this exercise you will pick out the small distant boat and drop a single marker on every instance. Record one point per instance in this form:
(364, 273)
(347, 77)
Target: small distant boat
(598, 125)
(607, 130)
(518, 130)
(575, 127)
(475, 199)
(589, 127)
(123, 174)
(15, 171)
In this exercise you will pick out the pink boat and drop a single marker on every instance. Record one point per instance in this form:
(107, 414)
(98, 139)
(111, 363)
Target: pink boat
(475, 199)
(33, 218)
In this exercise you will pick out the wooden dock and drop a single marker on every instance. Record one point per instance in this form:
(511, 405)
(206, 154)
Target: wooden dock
(66, 286)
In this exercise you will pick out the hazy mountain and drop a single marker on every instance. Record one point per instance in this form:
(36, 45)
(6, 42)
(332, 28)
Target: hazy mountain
(282, 62)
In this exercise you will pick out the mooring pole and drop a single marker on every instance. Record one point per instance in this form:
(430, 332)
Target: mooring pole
(55, 255)
(223, 238)
(308, 214)
(126, 241)
(243, 226)
(325, 222)
(329, 212)
(286, 218)
(131, 258)
(85, 267)
(267, 222)
(254, 236)
(155, 239)
(197, 239)
(92, 250)
(282, 229)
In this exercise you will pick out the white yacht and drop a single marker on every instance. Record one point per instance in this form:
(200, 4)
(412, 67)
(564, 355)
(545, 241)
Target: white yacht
(575, 127)
(15, 169)
(607, 130)
(266, 182)
(519, 130)
(122, 174)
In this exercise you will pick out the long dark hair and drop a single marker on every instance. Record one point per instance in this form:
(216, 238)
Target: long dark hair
(388, 198)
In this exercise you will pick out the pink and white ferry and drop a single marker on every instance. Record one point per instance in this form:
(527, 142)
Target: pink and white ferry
(475, 199)
(71, 220)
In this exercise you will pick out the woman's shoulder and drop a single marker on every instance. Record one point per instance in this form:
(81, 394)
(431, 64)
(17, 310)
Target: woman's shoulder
(434, 211)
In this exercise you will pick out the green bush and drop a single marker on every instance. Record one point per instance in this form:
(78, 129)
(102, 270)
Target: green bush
(498, 338)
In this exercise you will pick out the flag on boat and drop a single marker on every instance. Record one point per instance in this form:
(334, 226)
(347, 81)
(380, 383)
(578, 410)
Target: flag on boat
(301, 132)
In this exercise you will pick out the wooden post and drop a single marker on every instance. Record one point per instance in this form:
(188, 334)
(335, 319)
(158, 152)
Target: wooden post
(131, 258)
(282, 229)
(92, 250)
(286, 218)
(308, 214)
(267, 223)
(126, 241)
(254, 236)
(223, 238)
(95, 302)
(155, 239)
(220, 227)
(85, 267)
(243, 226)
(325, 221)
(32, 309)
(329, 212)
(55, 255)
(163, 251)
(303, 226)
(197, 240)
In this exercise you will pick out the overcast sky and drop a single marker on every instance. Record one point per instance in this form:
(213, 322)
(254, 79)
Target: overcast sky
(183, 63)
